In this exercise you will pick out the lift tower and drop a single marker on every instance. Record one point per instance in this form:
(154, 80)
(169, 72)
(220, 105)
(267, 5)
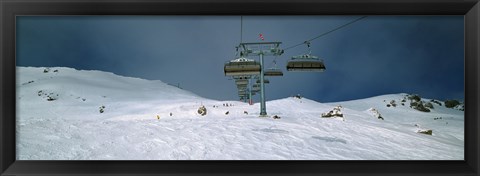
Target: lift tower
(261, 49)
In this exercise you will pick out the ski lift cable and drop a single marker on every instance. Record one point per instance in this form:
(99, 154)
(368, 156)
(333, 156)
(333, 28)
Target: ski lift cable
(328, 32)
(275, 62)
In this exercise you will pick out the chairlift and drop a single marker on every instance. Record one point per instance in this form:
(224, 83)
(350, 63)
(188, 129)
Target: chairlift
(241, 82)
(256, 87)
(242, 66)
(306, 62)
(274, 71)
(266, 81)
(241, 77)
(242, 88)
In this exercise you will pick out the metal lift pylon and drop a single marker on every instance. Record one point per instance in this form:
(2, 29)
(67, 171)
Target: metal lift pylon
(261, 49)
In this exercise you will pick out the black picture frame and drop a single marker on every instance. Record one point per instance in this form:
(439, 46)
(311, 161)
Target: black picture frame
(9, 9)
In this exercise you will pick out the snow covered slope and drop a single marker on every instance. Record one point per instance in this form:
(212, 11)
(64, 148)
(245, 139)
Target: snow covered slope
(67, 114)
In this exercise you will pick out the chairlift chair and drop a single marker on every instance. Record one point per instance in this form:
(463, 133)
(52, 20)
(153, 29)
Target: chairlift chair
(242, 66)
(306, 62)
(241, 82)
(241, 85)
(274, 71)
(242, 88)
(256, 87)
(266, 81)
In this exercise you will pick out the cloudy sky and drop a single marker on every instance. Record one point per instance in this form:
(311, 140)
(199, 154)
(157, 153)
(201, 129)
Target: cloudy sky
(374, 56)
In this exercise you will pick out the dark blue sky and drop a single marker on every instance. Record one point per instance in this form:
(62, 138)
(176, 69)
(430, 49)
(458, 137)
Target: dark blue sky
(374, 56)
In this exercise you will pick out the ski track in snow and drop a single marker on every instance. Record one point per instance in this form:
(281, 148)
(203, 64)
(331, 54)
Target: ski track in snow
(72, 128)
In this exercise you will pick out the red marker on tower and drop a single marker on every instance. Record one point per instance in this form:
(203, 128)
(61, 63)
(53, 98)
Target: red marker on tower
(261, 36)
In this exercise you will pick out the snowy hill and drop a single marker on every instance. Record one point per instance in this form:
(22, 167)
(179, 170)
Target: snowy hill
(67, 114)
